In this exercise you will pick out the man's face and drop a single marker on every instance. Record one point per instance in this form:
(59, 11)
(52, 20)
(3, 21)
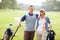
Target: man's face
(31, 9)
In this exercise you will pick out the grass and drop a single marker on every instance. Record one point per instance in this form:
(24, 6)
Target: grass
(7, 17)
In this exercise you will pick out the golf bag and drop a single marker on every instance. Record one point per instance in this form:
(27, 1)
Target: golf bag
(51, 35)
(8, 33)
(14, 33)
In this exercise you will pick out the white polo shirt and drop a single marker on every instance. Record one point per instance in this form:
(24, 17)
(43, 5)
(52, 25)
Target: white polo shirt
(41, 24)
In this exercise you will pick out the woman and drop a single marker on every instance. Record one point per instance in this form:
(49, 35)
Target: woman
(42, 26)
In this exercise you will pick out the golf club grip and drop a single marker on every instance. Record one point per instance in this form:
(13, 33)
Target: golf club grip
(14, 33)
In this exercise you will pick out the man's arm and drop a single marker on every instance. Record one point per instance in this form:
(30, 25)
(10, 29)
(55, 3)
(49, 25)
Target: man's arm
(21, 20)
(36, 15)
(37, 21)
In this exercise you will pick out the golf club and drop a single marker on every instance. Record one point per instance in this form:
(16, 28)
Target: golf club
(15, 33)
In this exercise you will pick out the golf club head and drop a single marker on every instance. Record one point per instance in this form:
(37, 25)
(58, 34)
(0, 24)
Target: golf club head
(10, 24)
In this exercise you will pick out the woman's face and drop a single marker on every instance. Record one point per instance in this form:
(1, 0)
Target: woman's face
(42, 13)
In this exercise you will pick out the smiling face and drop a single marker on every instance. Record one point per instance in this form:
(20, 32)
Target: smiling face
(42, 12)
(31, 9)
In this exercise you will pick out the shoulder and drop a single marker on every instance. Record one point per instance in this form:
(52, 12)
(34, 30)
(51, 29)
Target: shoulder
(36, 15)
(26, 14)
(46, 17)
(48, 20)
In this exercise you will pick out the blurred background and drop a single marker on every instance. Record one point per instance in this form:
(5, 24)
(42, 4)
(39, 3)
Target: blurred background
(13, 10)
(48, 5)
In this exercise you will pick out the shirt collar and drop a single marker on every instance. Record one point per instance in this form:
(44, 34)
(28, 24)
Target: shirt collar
(30, 14)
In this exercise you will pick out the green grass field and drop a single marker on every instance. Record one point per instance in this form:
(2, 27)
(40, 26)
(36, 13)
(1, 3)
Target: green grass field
(7, 17)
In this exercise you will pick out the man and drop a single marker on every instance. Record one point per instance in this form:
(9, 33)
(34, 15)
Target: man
(30, 20)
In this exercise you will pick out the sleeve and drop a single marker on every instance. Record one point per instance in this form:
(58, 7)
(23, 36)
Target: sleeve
(48, 20)
(36, 15)
(37, 23)
(23, 18)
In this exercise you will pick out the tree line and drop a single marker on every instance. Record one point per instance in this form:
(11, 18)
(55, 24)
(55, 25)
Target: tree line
(10, 4)
(49, 5)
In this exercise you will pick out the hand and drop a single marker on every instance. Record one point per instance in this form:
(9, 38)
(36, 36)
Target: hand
(44, 29)
(50, 27)
(19, 25)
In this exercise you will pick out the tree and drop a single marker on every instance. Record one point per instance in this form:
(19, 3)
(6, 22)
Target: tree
(0, 5)
(11, 4)
(52, 5)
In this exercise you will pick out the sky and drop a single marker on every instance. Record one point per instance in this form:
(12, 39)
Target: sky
(0, 0)
(31, 2)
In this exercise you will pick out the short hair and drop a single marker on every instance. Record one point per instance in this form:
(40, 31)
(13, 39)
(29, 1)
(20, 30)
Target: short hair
(30, 6)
